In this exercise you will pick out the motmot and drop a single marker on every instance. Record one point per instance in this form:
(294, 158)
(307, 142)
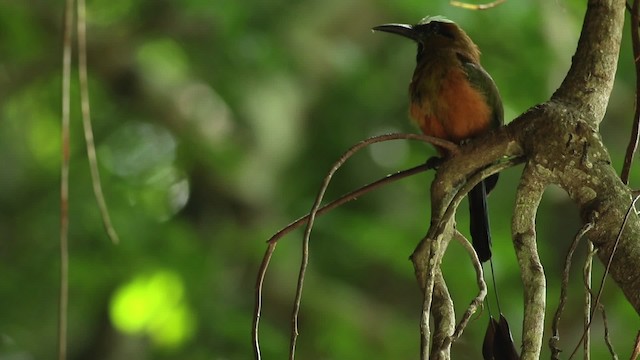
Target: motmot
(452, 97)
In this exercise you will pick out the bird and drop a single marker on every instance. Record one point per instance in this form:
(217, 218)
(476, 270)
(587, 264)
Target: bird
(452, 97)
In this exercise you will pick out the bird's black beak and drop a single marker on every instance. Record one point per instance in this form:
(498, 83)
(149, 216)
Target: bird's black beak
(400, 29)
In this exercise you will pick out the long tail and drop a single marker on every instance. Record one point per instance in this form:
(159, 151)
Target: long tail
(498, 343)
(479, 219)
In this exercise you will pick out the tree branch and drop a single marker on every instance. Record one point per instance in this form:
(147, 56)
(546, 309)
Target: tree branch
(528, 198)
(588, 83)
(426, 271)
(561, 141)
(444, 318)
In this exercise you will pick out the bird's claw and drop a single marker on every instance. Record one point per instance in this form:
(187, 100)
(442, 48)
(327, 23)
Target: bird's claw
(434, 162)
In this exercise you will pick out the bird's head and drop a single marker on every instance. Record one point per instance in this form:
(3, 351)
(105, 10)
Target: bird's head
(434, 34)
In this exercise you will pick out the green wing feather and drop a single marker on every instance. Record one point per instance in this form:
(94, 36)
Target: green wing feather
(481, 80)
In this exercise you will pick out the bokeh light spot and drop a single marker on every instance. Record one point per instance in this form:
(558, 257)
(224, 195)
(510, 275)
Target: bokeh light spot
(154, 305)
(144, 154)
(138, 148)
(199, 104)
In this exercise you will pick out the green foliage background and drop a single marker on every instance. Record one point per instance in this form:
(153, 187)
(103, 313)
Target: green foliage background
(215, 122)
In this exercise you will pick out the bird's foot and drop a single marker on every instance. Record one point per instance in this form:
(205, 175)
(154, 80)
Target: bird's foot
(434, 162)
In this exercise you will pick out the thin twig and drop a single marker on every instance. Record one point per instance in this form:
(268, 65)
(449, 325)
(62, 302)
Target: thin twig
(86, 123)
(588, 298)
(468, 6)
(554, 340)
(476, 303)
(64, 183)
(271, 247)
(606, 270)
(636, 348)
(607, 339)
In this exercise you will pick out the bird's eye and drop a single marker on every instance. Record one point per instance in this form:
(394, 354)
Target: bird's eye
(420, 52)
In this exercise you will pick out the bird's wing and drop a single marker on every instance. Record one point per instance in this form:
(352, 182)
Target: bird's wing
(481, 80)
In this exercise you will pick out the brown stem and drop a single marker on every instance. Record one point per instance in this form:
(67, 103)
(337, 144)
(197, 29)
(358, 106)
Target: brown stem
(635, 129)
(553, 341)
